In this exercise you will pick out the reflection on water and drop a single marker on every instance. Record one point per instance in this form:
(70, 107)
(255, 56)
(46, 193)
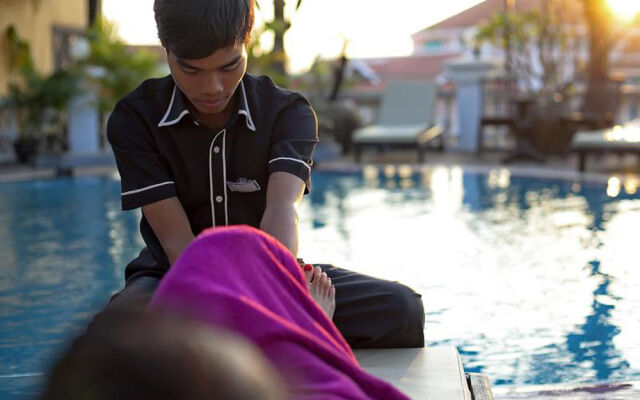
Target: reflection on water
(531, 279)
(527, 277)
(593, 341)
(58, 255)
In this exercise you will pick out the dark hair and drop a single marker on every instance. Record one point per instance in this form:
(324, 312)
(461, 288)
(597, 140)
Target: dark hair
(148, 356)
(193, 29)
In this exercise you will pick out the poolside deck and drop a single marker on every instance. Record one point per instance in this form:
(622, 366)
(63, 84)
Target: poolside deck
(424, 373)
(556, 166)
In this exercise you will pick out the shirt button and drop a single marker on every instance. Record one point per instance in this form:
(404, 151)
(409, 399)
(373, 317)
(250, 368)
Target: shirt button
(219, 199)
(216, 149)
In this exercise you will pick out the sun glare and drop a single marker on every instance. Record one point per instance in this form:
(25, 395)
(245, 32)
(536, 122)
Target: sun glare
(625, 9)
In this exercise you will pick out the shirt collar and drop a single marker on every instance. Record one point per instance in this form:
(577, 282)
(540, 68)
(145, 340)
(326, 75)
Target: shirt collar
(178, 107)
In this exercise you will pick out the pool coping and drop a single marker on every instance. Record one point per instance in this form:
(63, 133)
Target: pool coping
(585, 391)
(523, 171)
(21, 174)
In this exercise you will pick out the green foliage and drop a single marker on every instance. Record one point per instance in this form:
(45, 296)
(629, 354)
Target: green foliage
(39, 100)
(271, 63)
(122, 68)
(260, 62)
(544, 33)
(19, 51)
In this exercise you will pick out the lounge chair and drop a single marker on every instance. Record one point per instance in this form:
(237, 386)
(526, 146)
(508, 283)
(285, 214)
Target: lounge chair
(406, 119)
(617, 140)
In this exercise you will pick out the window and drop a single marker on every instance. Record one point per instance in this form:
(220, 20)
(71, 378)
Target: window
(434, 44)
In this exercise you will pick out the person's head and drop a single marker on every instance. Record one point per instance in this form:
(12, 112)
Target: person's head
(145, 356)
(206, 44)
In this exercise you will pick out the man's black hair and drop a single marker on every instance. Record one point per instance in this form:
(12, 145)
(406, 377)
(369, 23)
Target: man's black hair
(193, 29)
(136, 355)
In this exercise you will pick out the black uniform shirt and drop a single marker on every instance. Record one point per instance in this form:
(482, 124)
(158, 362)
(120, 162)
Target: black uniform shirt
(220, 177)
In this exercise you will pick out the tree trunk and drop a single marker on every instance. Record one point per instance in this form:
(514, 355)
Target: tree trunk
(338, 78)
(281, 27)
(599, 26)
(509, 10)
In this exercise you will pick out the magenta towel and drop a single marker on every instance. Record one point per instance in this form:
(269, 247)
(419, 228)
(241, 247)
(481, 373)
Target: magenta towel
(244, 280)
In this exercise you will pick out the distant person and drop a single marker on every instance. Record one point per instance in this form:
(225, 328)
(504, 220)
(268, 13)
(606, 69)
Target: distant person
(235, 279)
(211, 145)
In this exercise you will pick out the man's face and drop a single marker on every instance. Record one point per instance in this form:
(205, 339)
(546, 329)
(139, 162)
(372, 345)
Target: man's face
(209, 83)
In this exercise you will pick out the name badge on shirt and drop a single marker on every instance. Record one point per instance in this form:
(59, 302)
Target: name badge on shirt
(243, 185)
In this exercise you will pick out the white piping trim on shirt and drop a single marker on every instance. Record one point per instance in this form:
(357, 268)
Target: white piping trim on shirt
(224, 175)
(291, 159)
(164, 122)
(213, 211)
(247, 112)
(147, 188)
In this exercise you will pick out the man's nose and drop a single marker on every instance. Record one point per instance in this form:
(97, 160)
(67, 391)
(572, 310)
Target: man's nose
(213, 84)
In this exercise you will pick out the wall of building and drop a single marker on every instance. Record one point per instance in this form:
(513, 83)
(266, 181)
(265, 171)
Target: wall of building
(441, 41)
(34, 21)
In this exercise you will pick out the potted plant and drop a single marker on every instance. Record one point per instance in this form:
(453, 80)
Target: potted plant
(38, 101)
(39, 105)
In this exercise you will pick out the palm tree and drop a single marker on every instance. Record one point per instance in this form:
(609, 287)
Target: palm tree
(602, 36)
(279, 26)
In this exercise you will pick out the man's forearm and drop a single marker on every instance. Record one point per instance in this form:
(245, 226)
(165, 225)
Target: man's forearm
(282, 223)
(174, 247)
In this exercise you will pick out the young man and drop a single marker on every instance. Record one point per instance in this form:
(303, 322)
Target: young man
(211, 145)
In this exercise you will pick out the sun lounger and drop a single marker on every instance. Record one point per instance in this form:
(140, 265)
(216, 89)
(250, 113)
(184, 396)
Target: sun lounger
(425, 373)
(406, 119)
(618, 140)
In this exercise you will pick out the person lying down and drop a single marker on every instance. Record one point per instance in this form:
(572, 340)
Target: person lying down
(254, 331)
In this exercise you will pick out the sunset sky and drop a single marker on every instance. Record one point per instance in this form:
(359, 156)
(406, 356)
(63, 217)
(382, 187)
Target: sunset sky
(372, 27)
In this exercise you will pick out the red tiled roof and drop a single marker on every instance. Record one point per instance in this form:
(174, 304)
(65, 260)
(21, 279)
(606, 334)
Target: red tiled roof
(486, 9)
(482, 11)
(423, 67)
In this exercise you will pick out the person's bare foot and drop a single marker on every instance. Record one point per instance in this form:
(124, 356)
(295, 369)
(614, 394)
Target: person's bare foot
(321, 289)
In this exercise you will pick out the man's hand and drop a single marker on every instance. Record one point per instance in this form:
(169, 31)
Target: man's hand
(280, 218)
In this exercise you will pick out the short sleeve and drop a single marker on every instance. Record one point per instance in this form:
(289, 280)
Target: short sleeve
(145, 178)
(295, 136)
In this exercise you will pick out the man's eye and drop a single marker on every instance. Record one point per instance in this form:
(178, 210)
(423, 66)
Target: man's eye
(231, 68)
(190, 71)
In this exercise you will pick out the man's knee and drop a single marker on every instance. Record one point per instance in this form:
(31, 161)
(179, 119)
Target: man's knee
(135, 296)
(408, 314)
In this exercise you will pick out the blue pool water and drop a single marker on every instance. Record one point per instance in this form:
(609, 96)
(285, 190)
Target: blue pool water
(534, 280)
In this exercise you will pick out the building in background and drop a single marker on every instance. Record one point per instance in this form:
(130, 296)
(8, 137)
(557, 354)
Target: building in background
(49, 26)
(454, 37)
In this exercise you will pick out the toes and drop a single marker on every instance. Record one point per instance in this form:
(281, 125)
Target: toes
(317, 274)
(327, 287)
(322, 284)
(332, 292)
(308, 272)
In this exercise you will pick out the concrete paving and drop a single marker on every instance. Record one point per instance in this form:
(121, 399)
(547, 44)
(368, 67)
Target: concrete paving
(555, 166)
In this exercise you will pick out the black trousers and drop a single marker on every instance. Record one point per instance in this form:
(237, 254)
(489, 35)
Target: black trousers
(370, 312)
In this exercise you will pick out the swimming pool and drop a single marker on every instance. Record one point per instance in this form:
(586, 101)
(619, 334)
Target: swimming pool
(534, 280)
